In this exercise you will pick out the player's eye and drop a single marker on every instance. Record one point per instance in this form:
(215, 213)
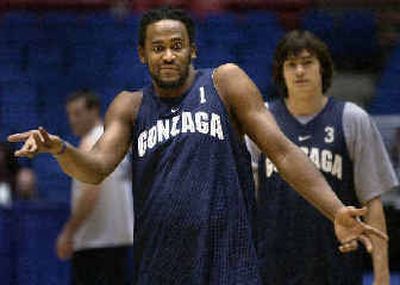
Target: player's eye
(157, 49)
(177, 46)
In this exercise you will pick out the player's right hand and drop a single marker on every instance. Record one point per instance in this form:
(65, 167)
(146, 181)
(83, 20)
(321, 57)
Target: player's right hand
(36, 141)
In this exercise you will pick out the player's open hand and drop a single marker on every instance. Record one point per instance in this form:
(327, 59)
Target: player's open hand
(350, 229)
(36, 141)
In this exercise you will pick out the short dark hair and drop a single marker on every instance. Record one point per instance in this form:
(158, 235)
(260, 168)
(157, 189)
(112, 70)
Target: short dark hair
(294, 43)
(165, 13)
(91, 99)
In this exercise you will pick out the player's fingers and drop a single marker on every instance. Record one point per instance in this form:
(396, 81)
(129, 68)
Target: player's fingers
(374, 231)
(366, 242)
(29, 149)
(38, 137)
(19, 137)
(349, 246)
(25, 152)
(357, 212)
(44, 134)
(32, 148)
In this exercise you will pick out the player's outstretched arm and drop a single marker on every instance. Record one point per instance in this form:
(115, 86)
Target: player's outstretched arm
(93, 166)
(246, 107)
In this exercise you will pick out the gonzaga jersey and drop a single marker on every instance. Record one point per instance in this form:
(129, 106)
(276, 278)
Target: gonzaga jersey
(193, 191)
(296, 243)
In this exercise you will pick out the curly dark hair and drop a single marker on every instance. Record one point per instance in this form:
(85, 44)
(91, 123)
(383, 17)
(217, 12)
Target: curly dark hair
(294, 43)
(165, 13)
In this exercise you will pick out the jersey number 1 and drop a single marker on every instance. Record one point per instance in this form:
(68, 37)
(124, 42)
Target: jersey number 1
(202, 95)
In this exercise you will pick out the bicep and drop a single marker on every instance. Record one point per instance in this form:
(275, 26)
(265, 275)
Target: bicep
(116, 139)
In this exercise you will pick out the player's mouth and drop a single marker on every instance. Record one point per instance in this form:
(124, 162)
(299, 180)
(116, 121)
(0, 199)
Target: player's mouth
(169, 68)
(301, 81)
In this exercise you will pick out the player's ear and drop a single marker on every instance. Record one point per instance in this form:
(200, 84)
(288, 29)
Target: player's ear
(193, 51)
(142, 55)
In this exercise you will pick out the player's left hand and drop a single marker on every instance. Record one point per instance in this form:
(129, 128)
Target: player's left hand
(350, 229)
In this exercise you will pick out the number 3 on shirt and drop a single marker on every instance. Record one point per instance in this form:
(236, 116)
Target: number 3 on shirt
(329, 134)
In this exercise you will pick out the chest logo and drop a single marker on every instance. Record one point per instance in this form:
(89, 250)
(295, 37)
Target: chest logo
(304, 138)
(174, 109)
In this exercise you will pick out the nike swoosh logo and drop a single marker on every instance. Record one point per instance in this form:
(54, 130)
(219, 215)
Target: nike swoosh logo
(174, 110)
(304, 138)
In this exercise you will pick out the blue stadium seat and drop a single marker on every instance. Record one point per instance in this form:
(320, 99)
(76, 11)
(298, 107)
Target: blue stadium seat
(22, 27)
(260, 73)
(36, 228)
(357, 32)
(124, 55)
(385, 102)
(6, 246)
(53, 184)
(18, 92)
(11, 58)
(45, 56)
(214, 55)
(128, 76)
(261, 27)
(322, 24)
(218, 27)
(61, 27)
(393, 62)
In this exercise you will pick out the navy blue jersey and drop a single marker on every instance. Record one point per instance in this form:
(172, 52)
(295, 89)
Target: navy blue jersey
(296, 243)
(193, 191)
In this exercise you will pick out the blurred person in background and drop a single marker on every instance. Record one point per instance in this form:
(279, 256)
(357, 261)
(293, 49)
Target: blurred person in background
(17, 182)
(295, 244)
(99, 233)
(8, 172)
(25, 184)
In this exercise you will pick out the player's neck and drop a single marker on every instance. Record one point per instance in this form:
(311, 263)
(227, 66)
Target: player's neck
(306, 105)
(176, 92)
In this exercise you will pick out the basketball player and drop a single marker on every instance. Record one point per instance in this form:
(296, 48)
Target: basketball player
(99, 233)
(346, 147)
(192, 179)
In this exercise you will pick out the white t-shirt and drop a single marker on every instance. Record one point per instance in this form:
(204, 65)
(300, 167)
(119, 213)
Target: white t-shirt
(111, 223)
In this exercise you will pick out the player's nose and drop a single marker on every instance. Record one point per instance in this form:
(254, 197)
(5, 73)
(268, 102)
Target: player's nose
(168, 56)
(299, 70)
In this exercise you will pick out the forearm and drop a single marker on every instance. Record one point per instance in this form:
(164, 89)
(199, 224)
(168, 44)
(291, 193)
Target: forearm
(304, 177)
(83, 208)
(84, 166)
(376, 218)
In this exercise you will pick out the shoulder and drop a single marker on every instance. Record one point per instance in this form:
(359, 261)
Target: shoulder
(126, 104)
(226, 73)
(357, 123)
(353, 112)
(129, 99)
(355, 118)
(233, 84)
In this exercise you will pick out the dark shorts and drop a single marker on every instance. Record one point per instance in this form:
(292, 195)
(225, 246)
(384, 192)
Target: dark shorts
(102, 266)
